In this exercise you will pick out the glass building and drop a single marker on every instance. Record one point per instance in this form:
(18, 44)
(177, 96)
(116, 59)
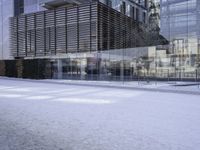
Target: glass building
(86, 40)
(104, 39)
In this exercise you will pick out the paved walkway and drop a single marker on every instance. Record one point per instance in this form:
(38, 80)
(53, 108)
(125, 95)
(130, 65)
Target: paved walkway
(170, 87)
(49, 116)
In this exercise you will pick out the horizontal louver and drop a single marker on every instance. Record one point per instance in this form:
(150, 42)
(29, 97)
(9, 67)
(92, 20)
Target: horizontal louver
(83, 28)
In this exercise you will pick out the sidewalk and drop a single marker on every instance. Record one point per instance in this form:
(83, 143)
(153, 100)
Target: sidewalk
(172, 87)
(167, 87)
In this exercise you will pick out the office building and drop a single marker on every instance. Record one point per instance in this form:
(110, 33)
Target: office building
(98, 38)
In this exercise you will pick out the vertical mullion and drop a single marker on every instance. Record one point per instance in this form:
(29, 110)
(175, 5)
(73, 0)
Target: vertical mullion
(35, 34)
(25, 35)
(99, 28)
(108, 28)
(30, 40)
(77, 29)
(66, 33)
(55, 37)
(49, 42)
(90, 27)
(17, 36)
(44, 26)
(131, 35)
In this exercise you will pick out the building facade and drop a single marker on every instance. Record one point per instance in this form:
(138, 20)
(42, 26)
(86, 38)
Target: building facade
(104, 39)
(136, 9)
(89, 27)
(80, 37)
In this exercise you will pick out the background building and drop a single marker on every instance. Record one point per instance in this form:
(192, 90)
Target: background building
(8, 8)
(154, 16)
(180, 25)
(6, 11)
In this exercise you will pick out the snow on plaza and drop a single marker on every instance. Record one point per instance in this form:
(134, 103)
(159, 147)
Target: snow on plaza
(52, 116)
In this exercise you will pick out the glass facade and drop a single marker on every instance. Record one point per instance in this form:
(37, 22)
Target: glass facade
(180, 25)
(179, 19)
(174, 57)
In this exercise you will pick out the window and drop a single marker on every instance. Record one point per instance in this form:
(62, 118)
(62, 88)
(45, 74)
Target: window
(123, 7)
(137, 14)
(18, 7)
(133, 12)
(144, 17)
(145, 3)
(109, 3)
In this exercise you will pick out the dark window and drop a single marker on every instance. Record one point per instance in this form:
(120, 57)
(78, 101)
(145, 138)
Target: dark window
(109, 3)
(21, 10)
(18, 7)
(137, 14)
(123, 8)
(145, 3)
(133, 12)
(144, 17)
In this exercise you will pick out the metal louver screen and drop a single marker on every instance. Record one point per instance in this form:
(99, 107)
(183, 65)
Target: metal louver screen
(64, 30)
(83, 28)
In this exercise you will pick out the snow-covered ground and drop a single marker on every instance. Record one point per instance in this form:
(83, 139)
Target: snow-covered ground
(49, 116)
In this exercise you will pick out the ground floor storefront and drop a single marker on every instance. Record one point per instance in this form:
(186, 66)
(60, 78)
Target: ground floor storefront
(134, 64)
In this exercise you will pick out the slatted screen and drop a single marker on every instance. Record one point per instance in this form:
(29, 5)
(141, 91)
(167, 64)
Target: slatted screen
(116, 30)
(63, 30)
(83, 28)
